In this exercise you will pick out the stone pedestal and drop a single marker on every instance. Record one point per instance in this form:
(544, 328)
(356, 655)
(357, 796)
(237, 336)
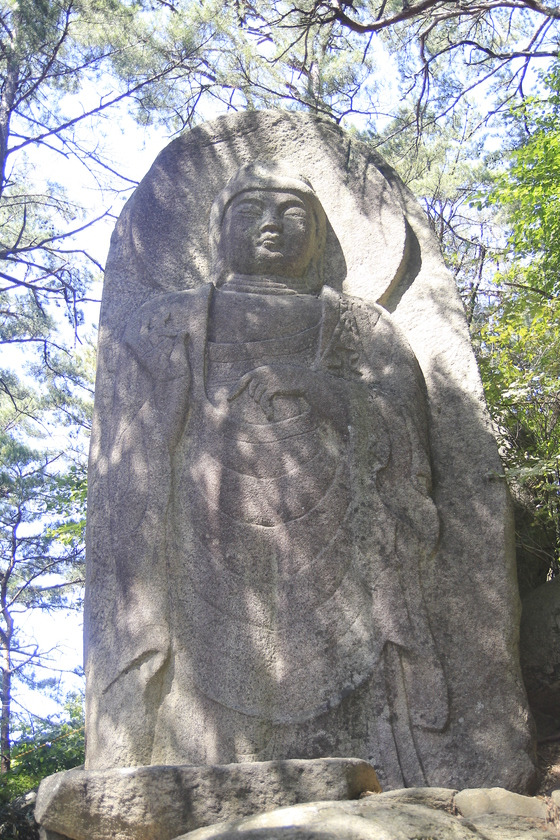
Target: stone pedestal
(162, 802)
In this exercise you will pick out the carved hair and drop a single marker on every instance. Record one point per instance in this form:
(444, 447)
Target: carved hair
(267, 175)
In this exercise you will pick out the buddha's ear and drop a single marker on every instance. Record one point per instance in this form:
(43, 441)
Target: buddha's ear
(219, 272)
(314, 277)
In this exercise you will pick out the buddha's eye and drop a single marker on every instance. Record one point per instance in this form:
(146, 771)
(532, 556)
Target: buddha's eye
(248, 210)
(294, 211)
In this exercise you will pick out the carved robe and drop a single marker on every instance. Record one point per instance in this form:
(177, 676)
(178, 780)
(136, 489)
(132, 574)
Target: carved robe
(290, 546)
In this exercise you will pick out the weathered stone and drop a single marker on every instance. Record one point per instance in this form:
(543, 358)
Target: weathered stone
(540, 647)
(440, 798)
(374, 817)
(157, 803)
(365, 819)
(477, 801)
(271, 573)
(505, 827)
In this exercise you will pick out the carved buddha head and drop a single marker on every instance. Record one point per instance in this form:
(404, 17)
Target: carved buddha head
(268, 223)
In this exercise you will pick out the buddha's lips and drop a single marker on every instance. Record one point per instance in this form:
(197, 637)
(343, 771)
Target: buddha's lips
(270, 242)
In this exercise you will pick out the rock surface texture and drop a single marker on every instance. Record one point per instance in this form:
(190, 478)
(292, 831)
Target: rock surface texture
(409, 814)
(492, 814)
(156, 803)
(299, 536)
(288, 483)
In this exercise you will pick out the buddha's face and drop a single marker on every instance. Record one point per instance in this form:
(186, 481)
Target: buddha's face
(269, 233)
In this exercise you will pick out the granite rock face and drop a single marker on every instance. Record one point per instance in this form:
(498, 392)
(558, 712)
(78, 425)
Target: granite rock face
(299, 536)
(157, 803)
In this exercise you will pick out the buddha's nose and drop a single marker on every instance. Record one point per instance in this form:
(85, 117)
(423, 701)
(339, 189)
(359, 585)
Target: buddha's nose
(270, 222)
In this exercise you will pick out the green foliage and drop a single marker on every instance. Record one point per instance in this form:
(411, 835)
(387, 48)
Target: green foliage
(520, 363)
(46, 748)
(17, 820)
(519, 335)
(41, 553)
(69, 498)
(29, 551)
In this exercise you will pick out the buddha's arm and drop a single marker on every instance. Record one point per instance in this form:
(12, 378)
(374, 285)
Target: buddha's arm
(157, 335)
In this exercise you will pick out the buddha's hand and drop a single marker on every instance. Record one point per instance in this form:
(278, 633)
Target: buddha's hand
(326, 395)
(158, 337)
(265, 383)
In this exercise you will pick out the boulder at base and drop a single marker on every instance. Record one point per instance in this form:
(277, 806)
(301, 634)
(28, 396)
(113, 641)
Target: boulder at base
(493, 814)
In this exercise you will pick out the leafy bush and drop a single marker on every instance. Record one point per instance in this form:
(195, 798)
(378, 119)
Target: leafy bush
(40, 751)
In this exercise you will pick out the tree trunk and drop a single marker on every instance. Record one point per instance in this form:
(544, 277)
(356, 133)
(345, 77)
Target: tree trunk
(5, 718)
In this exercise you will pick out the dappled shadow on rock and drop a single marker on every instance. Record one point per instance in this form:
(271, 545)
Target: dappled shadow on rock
(444, 531)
